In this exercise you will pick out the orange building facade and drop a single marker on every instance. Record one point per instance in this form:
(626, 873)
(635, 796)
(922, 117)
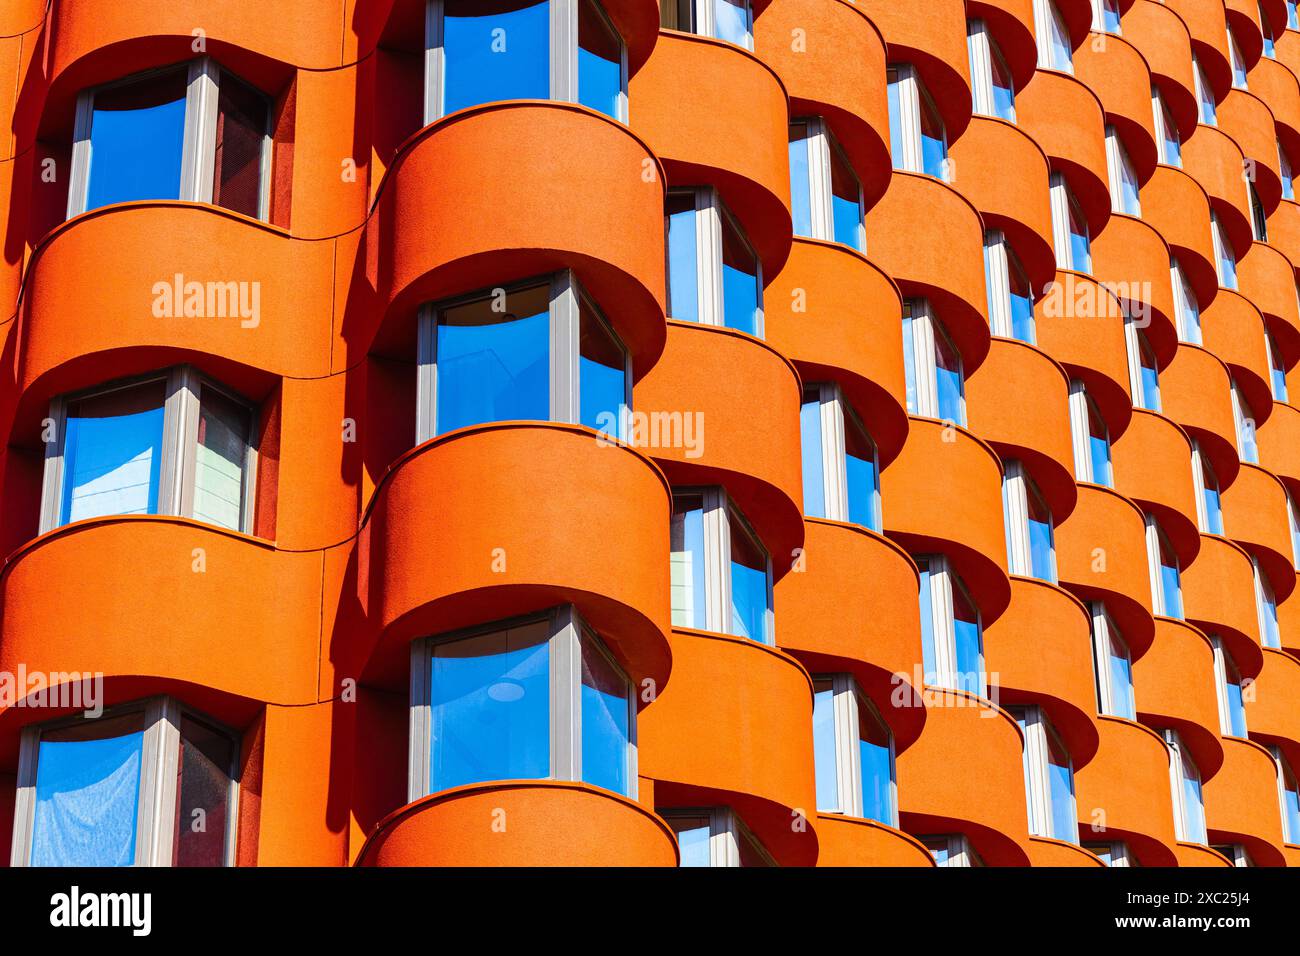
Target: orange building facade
(1004, 438)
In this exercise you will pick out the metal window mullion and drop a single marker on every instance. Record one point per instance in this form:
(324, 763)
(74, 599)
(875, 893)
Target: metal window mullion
(1153, 566)
(172, 467)
(909, 121)
(1198, 478)
(20, 852)
(198, 154)
(564, 322)
(1079, 431)
(708, 256)
(564, 50)
(927, 369)
(724, 838)
(819, 180)
(998, 270)
(834, 461)
(945, 629)
(419, 723)
(434, 60)
(1036, 767)
(1060, 204)
(153, 784)
(79, 171)
(717, 535)
(1176, 785)
(981, 67)
(704, 19)
(426, 379)
(1016, 501)
(53, 475)
(847, 759)
(1221, 685)
(1101, 657)
(565, 709)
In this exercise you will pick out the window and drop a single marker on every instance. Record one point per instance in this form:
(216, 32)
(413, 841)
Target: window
(1168, 142)
(1166, 575)
(1055, 48)
(916, 131)
(1277, 371)
(1209, 507)
(1238, 62)
(1204, 94)
(841, 467)
(1112, 854)
(1010, 295)
(1258, 221)
(151, 783)
(1266, 608)
(1293, 521)
(1187, 309)
(952, 634)
(936, 386)
(1143, 372)
(853, 751)
(535, 698)
(1049, 777)
(1235, 852)
(535, 351)
(825, 192)
(952, 849)
(1112, 665)
(1185, 781)
(564, 50)
(1292, 17)
(721, 573)
(1105, 16)
(1223, 253)
(1030, 548)
(1090, 438)
(1267, 29)
(1069, 229)
(730, 20)
(1289, 794)
(1244, 420)
(1229, 686)
(714, 276)
(715, 836)
(992, 85)
(1123, 180)
(171, 443)
(195, 132)
(1288, 181)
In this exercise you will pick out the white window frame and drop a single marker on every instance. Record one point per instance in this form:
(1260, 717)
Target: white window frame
(1062, 203)
(1178, 757)
(983, 52)
(1081, 404)
(944, 580)
(1258, 218)
(566, 297)
(726, 831)
(848, 701)
(1204, 95)
(835, 414)
(703, 22)
(1166, 130)
(1287, 175)
(565, 646)
(1275, 365)
(199, 149)
(1137, 347)
(1117, 850)
(1264, 596)
(1120, 168)
(1223, 252)
(1283, 767)
(562, 56)
(159, 770)
(1048, 23)
(1155, 535)
(1104, 633)
(926, 327)
(1243, 419)
(178, 465)
(961, 853)
(1293, 523)
(1099, 8)
(1237, 62)
(1039, 734)
(821, 214)
(1017, 487)
(911, 92)
(709, 213)
(1266, 29)
(1221, 662)
(999, 261)
(1187, 308)
(1201, 467)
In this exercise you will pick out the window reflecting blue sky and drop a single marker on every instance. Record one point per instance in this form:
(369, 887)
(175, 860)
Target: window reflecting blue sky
(495, 56)
(137, 134)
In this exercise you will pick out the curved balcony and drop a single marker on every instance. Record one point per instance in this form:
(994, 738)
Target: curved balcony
(1278, 88)
(1066, 119)
(750, 748)
(1219, 598)
(848, 330)
(1018, 402)
(1164, 42)
(848, 841)
(748, 436)
(1249, 121)
(1254, 513)
(1121, 80)
(1178, 207)
(1131, 259)
(1152, 466)
(729, 128)
(1004, 174)
(1101, 555)
(966, 775)
(1176, 688)
(540, 218)
(459, 534)
(839, 74)
(1195, 393)
(1279, 443)
(1233, 329)
(1271, 713)
(22, 16)
(1215, 161)
(1195, 855)
(1241, 802)
(1044, 851)
(1243, 17)
(1267, 278)
(1012, 25)
(853, 608)
(1288, 614)
(1208, 26)
(930, 240)
(1124, 792)
(1040, 652)
(521, 823)
(944, 494)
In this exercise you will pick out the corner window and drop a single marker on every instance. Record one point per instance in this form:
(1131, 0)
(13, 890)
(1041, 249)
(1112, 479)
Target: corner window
(1168, 141)
(535, 351)
(952, 633)
(952, 849)
(715, 836)
(1229, 687)
(1209, 506)
(1090, 438)
(1124, 196)
(841, 467)
(194, 132)
(1204, 94)
(1288, 181)
(1237, 60)
(1289, 795)
(729, 20)
(721, 573)
(1112, 665)
(1166, 575)
(151, 783)
(1055, 48)
(1069, 229)
(1105, 16)
(1187, 309)
(853, 751)
(714, 276)
(916, 131)
(1049, 777)
(171, 443)
(1010, 295)
(1266, 608)
(1115, 853)
(1185, 783)
(992, 86)
(563, 50)
(1030, 548)
(936, 384)
(1223, 253)
(1277, 371)
(825, 192)
(1244, 421)
(1143, 372)
(536, 698)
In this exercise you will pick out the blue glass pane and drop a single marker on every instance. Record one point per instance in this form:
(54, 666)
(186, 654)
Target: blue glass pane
(87, 795)
(493, 366)
(909, 363)
(1040, 549)
(1195, 809)
(1004, 102)
(896, 146)
(683, 283)
(828, 794)
(112, 453)
(1236, 710)
(1291, 810)
(686, 544)
(600, 62)
(495, 56)
(489, 705)
(731, 21)
(1292, 16)
(1213, 511)
(968, 649)
(1121, 686)
(1099, 448)
(1228, 266)
(137, 134)
(863, 491)
(749, 602)
(1272, 636)
(1209, 115)
(1080, 252)
(602, 375)
(877, 781)
(1061, 781)
(694, 845)
(1279, 384)
(1288, 187)
(800, 200)
(928, 655)
(605, 723)
(1172, 588)
(949, 385)
(1110, 18)
(1022, 317)
(1150, 397)
(940, 853)
(847, 214)
(740, 297)
(810, 428)
(934, 154)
